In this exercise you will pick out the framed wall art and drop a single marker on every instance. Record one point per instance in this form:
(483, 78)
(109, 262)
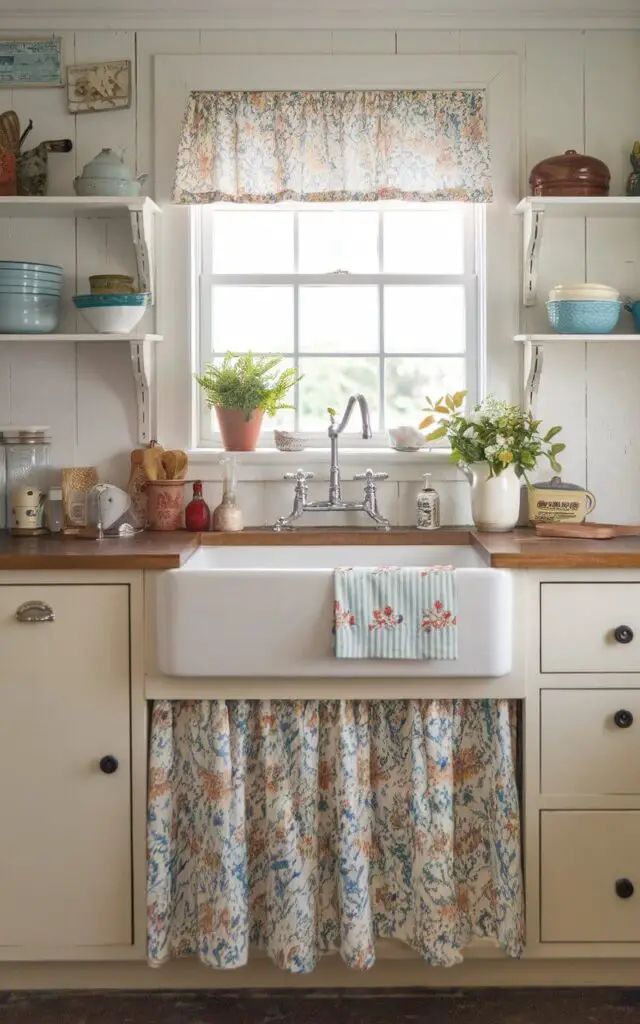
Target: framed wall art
(96, 87)
(25, 62)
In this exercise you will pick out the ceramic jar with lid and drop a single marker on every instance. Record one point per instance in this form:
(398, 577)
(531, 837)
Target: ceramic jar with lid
(108, 175)
(570, 174)
(554, 501)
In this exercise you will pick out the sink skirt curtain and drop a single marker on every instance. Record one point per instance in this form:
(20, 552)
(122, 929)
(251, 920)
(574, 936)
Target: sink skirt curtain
(310, 826)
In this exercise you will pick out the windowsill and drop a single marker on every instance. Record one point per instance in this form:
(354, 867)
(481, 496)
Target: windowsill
(270, 464)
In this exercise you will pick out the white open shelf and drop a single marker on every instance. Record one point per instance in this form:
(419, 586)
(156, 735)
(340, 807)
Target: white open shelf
(535, 209)
(141, 213)
(75, 206)
(137, 338)
(581, 206)
(540, 339)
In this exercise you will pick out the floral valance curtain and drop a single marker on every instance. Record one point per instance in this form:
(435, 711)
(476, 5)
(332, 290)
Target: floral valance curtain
(266, 147)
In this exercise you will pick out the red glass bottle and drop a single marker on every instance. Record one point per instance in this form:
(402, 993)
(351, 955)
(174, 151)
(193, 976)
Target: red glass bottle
(197, 516)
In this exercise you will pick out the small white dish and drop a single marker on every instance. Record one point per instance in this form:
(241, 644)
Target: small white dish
(405, 439)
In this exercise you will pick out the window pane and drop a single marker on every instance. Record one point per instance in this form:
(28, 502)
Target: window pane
(424, 241)
(329, 382)
(339, 318)
(409, 381)
(423, 318)
(256, 318)
(334, 240)
(252, 242)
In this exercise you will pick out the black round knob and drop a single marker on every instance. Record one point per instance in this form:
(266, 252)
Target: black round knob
(108, 764)
(624, 888)
(623, 718)
(623, 634)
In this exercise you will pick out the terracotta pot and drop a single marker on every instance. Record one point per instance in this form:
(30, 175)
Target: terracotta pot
(164, 504)
(571, 174)
(239, 434)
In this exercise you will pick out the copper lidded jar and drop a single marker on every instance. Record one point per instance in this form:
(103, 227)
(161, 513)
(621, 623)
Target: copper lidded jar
(571, 174)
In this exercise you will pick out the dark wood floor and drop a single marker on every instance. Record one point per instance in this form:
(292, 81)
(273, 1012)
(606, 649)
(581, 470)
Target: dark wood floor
(548, 1006)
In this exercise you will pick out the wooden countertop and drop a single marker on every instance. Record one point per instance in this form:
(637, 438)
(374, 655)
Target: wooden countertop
(520, 549)
(144, 551)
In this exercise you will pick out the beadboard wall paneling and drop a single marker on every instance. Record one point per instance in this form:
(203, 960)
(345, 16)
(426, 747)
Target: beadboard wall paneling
(579, 90)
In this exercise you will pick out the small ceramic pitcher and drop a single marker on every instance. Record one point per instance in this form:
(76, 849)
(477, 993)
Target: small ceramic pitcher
(164, 504)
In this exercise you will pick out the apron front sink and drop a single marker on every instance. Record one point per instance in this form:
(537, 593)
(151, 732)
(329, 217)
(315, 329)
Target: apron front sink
(268, 611)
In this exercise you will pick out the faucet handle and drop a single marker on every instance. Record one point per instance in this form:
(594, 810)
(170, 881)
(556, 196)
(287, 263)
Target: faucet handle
(370, 476)
(300, 476)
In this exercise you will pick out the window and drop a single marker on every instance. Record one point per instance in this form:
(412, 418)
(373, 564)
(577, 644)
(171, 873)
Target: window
(382, 301)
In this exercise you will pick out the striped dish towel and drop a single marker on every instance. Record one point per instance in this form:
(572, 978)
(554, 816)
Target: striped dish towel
(396, 612)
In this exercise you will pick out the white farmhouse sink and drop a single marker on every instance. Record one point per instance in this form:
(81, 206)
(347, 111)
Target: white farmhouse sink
(268, 611)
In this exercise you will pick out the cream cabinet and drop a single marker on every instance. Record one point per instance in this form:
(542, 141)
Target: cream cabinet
(65, 799)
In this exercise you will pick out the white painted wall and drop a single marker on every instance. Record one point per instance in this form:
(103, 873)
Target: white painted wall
(579, 89)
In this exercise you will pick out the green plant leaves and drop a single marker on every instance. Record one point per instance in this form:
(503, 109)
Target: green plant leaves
(248, 382)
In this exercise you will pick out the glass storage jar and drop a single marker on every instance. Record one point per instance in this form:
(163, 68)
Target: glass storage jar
(26, 452)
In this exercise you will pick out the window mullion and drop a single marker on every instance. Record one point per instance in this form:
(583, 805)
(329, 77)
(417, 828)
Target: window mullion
(381, 350)
(296, 320)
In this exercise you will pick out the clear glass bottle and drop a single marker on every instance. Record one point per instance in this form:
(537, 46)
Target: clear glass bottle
(227, 517)
(53, 510)
(27, 460)
(428, 506)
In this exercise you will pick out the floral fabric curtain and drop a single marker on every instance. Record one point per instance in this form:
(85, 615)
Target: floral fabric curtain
(304, 827)
(266, 147)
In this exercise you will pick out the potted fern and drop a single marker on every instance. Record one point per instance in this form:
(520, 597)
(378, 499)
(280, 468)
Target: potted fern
(241, 389)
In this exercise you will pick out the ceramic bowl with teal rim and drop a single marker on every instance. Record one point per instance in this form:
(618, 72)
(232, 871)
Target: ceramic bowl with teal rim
(48, 268)
(29, 314)
(112, 299)
(588, 316)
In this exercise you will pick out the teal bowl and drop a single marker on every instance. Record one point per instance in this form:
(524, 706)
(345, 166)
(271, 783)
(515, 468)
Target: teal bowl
(47, 268)
(29, 314)
(583, 316)
(113, 299)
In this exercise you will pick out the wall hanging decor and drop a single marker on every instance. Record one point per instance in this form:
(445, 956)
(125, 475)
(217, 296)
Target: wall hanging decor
(92, 88)
(30, 62)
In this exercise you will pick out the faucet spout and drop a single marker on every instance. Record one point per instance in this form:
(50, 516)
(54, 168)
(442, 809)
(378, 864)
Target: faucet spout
(364, 413)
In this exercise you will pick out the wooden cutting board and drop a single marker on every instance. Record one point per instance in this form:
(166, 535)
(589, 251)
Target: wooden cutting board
(586, 531)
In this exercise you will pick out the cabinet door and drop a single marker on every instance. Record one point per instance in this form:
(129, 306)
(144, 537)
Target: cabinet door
(589, 876)
(65, 853)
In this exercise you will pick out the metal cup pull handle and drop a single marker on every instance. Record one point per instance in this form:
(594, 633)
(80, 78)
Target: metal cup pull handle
(35, 611)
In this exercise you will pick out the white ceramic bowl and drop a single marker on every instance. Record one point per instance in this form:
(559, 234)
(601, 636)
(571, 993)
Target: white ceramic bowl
(406, 439)
(113, 319)
(583, 292)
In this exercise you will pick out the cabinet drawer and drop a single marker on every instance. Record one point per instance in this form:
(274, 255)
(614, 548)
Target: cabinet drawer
(590, 740)
(65, 855)
(581, 627)
(590, 876)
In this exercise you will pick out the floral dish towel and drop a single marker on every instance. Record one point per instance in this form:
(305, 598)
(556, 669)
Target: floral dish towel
(396, 612)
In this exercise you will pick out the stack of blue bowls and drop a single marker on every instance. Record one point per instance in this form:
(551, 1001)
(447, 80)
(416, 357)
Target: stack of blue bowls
(29, 297)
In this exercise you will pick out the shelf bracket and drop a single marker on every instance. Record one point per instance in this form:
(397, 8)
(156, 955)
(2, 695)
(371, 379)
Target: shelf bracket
(142, 229)
(141, 360)
(533, 361)
(533, 224)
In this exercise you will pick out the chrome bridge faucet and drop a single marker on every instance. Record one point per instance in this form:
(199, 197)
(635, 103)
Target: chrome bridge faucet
(335, 503)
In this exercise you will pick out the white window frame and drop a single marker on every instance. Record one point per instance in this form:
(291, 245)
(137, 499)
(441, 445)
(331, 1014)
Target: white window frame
(175, 76)
(470, 279)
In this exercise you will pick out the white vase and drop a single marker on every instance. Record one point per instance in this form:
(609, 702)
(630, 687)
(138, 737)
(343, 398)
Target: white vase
(495, 500)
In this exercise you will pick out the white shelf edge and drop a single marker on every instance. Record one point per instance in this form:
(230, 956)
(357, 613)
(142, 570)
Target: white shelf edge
(580, 206)
(53, 206)
(540, 339)
(138, 338)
